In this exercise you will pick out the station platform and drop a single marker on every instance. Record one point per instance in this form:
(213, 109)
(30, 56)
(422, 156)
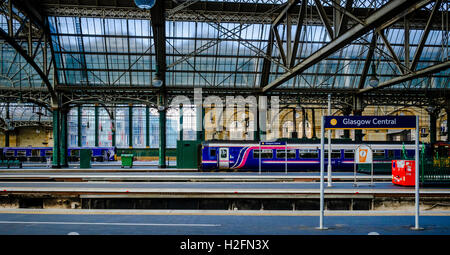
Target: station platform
(276, 195)
(214, 189)
(194, 222)
(83, 175)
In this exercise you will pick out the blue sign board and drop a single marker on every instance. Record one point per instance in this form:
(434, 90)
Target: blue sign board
(273, 143)
(370, 122)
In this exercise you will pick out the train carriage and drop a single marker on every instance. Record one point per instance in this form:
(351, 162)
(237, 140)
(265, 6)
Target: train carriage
(282, 156)
(41, 154)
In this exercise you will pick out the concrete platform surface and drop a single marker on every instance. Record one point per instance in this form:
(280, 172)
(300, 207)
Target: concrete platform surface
(204, 188)
(192, 222)
(182, 176)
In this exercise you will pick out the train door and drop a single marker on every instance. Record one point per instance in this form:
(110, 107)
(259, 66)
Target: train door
(224, 158)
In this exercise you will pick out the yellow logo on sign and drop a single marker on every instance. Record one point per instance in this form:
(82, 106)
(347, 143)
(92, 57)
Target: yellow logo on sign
(333, 122)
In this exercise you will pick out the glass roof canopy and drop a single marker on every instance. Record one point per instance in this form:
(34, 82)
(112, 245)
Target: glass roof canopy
(102, 51)
(15, 71)
(92, 51)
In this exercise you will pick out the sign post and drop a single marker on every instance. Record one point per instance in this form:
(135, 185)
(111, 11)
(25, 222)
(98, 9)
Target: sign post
(260, 153)
(417, 177)
(322, 156)
(329, 145)
(261, 148)
(285, 158)
(369, 122)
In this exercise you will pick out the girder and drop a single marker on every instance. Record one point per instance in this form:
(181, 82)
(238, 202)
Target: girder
(355, 21)
(385, 14)
(230, 12)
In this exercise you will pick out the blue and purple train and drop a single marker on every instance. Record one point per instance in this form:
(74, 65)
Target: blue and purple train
(40, 154)
(282, 156)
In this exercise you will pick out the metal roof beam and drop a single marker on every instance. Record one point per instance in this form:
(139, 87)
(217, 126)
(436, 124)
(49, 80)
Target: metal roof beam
(158, 22)
(29, 60)
(424, 36)
(394, 57)
(324, 18)
(369, 57)
(300, 19)
(283, 13)
(423, 72)
(386, 13)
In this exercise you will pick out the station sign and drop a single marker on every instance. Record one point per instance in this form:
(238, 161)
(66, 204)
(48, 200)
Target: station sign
(370, 122)
(273, 143)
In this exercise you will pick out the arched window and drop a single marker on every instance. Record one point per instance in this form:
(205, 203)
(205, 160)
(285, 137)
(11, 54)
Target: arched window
(139, 126)
(105, 128)
(154, 128)
(308, 129)
(122, 126)
(287, 129)
(189, 123)
(172, 127)
(237, 130)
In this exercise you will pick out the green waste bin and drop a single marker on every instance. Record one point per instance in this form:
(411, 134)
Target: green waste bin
(85, 158)
(127, 160)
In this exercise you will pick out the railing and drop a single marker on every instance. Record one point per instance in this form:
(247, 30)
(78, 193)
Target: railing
(435, 171)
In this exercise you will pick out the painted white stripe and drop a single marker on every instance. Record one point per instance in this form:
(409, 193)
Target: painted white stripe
(110, 223)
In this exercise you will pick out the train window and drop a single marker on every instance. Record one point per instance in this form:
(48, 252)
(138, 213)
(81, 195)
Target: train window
(391, 154)
(308, 153)
(22, 153)
(49, 153)
(410, 153)
(266, 154)
(334, 154)
(9, 153)
(75, 153)
(377, 154)
(35, 153)
(349, 154)
(282, 155)
(212, 153)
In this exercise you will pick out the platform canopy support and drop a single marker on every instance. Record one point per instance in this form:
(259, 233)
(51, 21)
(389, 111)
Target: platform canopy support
(56, 140)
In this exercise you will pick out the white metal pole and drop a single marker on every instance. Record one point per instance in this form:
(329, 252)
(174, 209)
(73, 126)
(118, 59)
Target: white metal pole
(354, 165)
(354, 173)
(260, 153)
(329, 143)
(417, 174)
(322, 164)
(371, 173)
(285, 155)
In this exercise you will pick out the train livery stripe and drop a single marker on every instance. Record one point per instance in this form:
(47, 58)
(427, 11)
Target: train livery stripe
(245, 149)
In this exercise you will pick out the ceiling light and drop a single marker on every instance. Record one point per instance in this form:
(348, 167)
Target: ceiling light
(373, 82)
(145, 4)
(157, 82)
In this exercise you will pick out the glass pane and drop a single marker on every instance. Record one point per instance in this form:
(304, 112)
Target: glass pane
(282, 155)
(265, 154)
(308, 154)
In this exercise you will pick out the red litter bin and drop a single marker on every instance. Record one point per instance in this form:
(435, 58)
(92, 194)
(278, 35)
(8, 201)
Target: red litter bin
(403, 172)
